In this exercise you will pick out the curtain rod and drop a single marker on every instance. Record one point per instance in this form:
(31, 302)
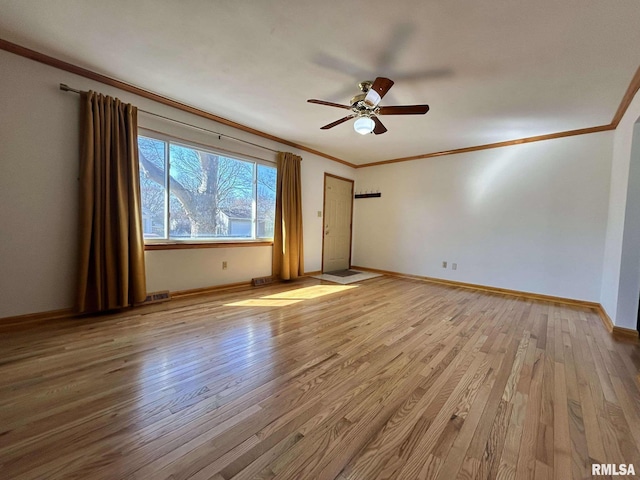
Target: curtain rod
(67, 88)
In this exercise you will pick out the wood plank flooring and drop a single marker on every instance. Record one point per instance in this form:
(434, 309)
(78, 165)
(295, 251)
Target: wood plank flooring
(387, 379)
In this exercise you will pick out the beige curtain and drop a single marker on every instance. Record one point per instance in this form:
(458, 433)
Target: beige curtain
(111, 266)
(288, 254)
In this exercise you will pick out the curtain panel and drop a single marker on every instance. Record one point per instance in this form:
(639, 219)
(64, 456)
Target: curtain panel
(288, 252)
(111, 271)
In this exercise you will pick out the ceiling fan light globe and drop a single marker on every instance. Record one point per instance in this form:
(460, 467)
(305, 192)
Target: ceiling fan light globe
(364, 125)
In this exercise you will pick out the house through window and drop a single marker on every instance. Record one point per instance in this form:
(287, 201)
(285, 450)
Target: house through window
(194, 193)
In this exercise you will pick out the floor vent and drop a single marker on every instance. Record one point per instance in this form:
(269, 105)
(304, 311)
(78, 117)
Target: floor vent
(259, 281)
(157, 297)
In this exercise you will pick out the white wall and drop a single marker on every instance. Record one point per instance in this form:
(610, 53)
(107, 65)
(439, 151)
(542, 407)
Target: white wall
(528, 217)
(38, 193)
(623, 139)
(629, 284)
(620, 228)
(177, 270)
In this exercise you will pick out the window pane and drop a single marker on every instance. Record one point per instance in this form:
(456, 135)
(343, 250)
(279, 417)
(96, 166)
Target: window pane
(266, 204)
(179, 223)
(152, 186)
(211, 195)
(235, 184)
(204, 195)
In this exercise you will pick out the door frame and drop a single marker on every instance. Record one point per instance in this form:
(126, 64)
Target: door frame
(324, 208)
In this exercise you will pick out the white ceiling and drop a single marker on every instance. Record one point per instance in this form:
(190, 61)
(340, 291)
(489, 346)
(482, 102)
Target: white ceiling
(491, 70)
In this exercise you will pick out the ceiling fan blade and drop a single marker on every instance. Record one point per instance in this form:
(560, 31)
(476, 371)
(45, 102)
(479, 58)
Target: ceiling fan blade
(382, 85)
(380, 128)
(404, 110)
(378, 90)
(329, 104)
(337, 122)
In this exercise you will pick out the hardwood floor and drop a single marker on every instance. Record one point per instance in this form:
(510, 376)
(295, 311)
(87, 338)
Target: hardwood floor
(388, 379)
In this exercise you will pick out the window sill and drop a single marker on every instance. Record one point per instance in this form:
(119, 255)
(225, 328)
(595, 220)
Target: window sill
(222, 244)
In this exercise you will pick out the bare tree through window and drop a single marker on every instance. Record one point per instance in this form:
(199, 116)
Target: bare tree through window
(210, 195)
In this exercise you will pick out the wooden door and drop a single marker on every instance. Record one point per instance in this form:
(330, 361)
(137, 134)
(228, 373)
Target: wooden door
(338, 207)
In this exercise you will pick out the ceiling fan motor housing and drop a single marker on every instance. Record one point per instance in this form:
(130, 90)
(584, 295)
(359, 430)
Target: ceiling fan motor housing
(365, 86)
(359, 106)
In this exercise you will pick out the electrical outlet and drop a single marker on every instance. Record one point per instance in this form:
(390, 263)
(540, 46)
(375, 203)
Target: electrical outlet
(444, 264)
(319, 214)
(224, 265)
(454, 266)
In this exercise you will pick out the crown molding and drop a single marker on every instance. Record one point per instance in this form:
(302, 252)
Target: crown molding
(98, 77)
(631, 91)
(538, 138)
(633, 88)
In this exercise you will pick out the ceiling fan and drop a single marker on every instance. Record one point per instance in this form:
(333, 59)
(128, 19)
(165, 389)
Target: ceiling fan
(364, 107)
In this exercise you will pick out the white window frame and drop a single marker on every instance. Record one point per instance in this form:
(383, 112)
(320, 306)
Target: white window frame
(167, 240)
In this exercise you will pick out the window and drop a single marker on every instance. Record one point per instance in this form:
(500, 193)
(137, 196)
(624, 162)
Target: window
(192, 193)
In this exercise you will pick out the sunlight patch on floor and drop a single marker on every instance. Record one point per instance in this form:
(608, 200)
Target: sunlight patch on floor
(292, 296)
(312, 292)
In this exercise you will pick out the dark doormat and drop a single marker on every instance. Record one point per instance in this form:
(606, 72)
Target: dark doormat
(343, 273)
